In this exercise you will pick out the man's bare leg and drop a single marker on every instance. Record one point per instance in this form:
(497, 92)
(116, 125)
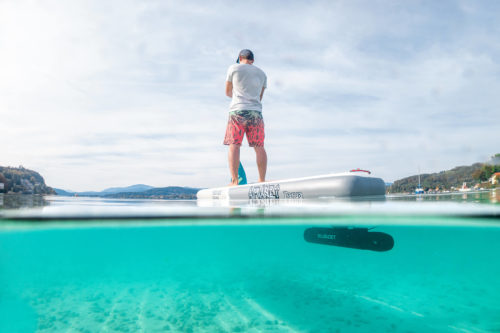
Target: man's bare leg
(260, 152)
(234, 163)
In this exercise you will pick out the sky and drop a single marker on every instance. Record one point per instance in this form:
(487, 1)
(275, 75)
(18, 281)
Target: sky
(97, 94)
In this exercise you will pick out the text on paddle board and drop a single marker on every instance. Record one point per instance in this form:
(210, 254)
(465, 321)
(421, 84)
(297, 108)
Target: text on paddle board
(293, 195)
(265, 191)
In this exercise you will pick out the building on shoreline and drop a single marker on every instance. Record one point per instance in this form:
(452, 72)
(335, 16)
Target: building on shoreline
(494, 178)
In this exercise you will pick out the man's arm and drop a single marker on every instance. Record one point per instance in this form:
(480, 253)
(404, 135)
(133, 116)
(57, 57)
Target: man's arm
(262, 93)
(229, 89)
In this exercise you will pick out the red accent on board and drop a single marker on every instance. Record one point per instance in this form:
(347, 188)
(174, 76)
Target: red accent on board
(359, 170)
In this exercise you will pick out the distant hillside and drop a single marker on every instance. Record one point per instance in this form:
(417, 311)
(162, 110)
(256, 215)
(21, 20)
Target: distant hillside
(63, 192)
(133, 188)
(171, 192)
(111, 190)
(477, 173)
(137, 192)
(22, 181)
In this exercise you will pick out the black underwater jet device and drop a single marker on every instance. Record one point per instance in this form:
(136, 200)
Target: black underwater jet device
(355, 238)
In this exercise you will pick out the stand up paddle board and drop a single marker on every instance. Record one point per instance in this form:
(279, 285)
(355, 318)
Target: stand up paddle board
(348, 184)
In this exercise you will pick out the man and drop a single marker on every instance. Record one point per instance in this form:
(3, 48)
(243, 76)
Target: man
(245, 84)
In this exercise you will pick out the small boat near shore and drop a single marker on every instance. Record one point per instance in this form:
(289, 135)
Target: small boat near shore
(419, 189)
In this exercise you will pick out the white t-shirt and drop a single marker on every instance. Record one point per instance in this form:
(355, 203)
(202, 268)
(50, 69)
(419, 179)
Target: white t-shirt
(248, 81)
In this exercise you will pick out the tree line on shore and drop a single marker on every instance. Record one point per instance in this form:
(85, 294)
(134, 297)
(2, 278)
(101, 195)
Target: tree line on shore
(475, 174)
(22, 181)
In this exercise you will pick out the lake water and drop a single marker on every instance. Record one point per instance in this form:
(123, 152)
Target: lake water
(93, 265)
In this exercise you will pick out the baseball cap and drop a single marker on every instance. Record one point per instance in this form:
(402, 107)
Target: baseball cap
(246, 54)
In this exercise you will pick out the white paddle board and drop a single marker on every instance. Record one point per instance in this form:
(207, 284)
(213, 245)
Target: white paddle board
(348, 184)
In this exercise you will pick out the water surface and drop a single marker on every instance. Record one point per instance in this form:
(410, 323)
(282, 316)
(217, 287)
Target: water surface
(91, 265)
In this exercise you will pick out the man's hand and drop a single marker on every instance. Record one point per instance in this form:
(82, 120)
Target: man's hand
(229, 89)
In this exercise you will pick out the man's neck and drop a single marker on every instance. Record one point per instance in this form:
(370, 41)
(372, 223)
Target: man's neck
(246, 61)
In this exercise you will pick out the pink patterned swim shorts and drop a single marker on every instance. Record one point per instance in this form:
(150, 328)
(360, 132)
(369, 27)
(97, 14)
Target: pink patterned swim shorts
(245, 121)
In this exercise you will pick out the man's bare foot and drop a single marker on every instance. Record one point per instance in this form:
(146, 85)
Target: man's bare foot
(233, 184)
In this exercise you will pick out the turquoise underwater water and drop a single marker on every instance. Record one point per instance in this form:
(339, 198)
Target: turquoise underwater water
(249, 275)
